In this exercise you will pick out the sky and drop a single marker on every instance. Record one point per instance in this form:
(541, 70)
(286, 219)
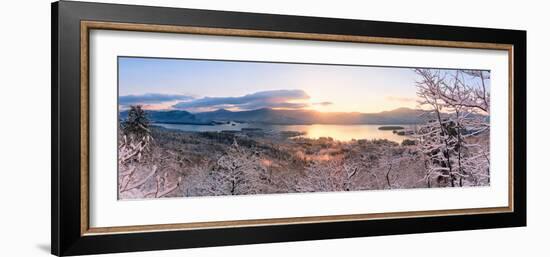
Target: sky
(206, 85)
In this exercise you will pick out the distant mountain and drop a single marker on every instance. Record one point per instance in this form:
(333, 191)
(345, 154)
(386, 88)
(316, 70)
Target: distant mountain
(264, 115)
(174, 117)
(297, 117)
(397, 116)
(284, 117)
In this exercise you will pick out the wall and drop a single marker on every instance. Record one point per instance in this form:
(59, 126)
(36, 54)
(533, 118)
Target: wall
(25, 127)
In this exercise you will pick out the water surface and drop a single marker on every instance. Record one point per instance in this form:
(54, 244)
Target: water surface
(337, 132)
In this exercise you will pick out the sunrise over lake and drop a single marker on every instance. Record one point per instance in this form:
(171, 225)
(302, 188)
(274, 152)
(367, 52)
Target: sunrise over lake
(218, 127)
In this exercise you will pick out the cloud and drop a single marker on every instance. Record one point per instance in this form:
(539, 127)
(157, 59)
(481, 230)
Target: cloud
(323, 103)
(400, 99)
(264, 99)
(150, 99)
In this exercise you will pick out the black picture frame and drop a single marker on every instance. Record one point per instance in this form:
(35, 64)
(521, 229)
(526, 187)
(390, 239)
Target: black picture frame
(66, 236)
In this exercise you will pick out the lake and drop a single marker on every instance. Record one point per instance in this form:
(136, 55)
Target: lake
(337, 132)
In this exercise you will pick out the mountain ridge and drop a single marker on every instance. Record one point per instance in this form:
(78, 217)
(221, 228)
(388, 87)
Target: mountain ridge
(401, 115)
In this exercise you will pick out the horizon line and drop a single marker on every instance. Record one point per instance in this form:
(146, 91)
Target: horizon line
(283, 109)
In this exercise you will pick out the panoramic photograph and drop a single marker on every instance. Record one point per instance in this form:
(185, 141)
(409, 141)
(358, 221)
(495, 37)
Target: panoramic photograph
(193, 128)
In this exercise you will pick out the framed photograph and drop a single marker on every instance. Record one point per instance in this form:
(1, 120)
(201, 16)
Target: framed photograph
(178, 128)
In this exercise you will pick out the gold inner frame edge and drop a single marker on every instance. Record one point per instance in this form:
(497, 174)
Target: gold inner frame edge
(86, 26)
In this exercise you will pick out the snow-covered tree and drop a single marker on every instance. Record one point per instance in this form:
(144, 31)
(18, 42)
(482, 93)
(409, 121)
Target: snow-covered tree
(136, 178)
(236, 172)
(457, 105)
(325, 175)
